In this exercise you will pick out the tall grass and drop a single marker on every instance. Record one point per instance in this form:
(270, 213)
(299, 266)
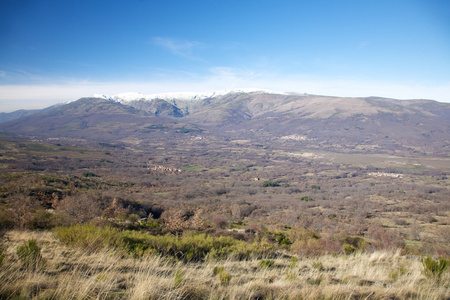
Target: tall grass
(74, 273)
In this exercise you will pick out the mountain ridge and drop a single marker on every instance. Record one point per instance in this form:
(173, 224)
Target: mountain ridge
(350, 123)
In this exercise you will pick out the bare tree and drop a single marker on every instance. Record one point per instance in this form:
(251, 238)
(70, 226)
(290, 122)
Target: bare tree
(81, 208)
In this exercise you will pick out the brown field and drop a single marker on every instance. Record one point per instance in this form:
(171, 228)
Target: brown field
(284, 222)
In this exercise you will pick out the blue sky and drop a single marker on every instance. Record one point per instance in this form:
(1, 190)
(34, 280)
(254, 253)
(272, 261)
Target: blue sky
(55, 51)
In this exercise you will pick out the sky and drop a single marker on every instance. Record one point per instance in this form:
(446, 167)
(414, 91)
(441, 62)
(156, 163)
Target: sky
(53, 51)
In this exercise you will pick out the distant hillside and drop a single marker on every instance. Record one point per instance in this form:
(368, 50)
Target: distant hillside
(5, 117)
(287, 120)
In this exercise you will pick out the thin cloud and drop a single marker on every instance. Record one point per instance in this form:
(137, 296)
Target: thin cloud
(181, 48)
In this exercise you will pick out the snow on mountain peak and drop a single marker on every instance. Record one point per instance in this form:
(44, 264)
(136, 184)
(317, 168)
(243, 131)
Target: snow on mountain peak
(133, 96)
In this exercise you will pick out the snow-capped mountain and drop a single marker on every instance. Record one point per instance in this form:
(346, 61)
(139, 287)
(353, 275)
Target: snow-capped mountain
(324, 121)
(186, 96)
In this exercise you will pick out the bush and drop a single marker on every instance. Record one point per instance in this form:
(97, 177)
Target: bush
(348, 249)
(270, 184)
(42, 219)
(88, 237)
(30, 254)
(282, 239)
(355, 242)
(306, 198)
(90, 174)
(80, 208)
(194, 247)
(435, 268)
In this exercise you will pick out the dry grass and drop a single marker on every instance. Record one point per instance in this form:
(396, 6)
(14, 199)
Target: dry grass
(71, 274)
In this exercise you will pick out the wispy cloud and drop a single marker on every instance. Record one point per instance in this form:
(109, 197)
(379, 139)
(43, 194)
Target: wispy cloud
(183, 48)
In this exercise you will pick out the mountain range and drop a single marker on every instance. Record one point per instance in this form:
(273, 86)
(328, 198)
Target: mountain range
(370, 124)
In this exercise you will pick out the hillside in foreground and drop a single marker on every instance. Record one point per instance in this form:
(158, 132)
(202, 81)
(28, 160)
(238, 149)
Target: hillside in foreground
(108, 275)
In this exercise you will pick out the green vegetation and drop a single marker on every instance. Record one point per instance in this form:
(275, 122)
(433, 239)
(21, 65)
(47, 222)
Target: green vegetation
(270, 184)
(224, 277)
(196, 247)
(158, 127)
(435, 268)
(261, 235)
(108, 145)
(189, 130)
(318, 266)
(193, 168)
(348, 249)
(306, 198)
(266, 263)
(178, 278)
(30, 254)
(282, 239)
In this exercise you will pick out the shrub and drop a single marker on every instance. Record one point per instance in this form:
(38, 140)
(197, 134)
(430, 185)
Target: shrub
(435, 268)
(220, 221)
(90, 174)
(306, 198)
(192, 247)
(282, 239)
(80, 208)
(270, 184)
(176, 221)
(89, 237)
(150, 224)
(30, 254)
(42, 219)
(348, 249)
(358, 243)
(221, 191)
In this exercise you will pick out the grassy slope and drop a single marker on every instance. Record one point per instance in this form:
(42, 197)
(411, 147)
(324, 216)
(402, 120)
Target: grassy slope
(70, 274)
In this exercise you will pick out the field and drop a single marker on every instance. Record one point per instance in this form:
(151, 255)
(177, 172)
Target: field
(203, 218)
